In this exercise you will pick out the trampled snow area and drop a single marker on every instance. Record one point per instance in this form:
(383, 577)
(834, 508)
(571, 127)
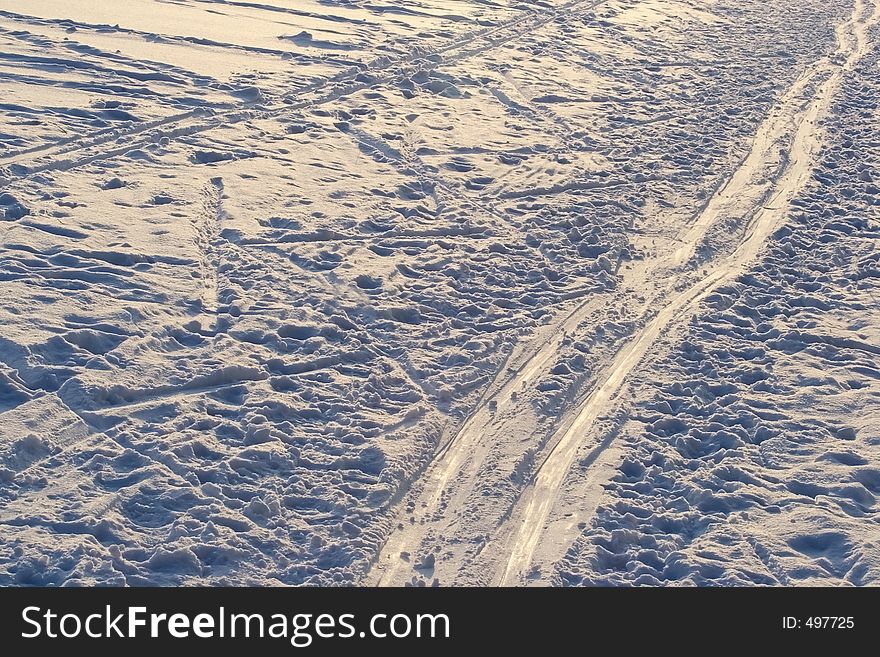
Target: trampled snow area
(439, 292)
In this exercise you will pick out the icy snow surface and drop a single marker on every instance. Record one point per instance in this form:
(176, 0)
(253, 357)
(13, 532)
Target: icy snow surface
(444, 291)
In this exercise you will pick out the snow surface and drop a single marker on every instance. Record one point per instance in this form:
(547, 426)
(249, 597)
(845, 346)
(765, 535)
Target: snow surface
(455, 292)
(753, 451)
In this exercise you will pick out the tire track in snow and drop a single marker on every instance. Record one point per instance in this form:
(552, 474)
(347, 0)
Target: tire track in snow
(530, 515)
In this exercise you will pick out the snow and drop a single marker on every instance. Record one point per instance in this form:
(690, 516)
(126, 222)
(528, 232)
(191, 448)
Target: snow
(753, 453)
(325, 292)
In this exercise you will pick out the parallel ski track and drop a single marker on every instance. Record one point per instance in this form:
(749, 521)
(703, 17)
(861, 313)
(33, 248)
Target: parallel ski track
(519, 535)
(72, 155)
(527, 522)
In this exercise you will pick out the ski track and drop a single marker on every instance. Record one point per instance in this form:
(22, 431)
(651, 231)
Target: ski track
(535, 505)
(176, 126)
(276, 372)
(785, 144)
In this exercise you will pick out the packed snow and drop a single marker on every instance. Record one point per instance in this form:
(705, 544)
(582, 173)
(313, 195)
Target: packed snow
(331, 292)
